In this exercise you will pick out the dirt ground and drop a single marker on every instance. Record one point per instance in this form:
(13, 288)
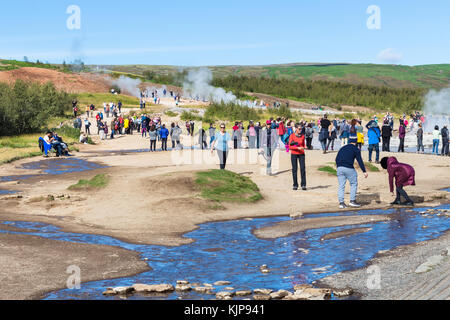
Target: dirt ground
(32, 266)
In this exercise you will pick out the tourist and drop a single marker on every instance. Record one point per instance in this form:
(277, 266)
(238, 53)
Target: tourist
(436, 139)
(101, 128)
(212, 133)
(345, 132)
(269, 144)
(324, 133)
(87, 126)
(309, 134)
(235, 135)
(83, 138)
(164, 132)
(87, 111)
(419, 135)
(258, 129)
(332, 137)
(281, 130)
(346, 171)
(403, 174)
(360, 134)
(401, 136)
(220, 143)
(386, 134)
(297, 147)
(444, 135)
(153, 137)
(176, 134)
(251, 133)
(202, 139)
(374, 135)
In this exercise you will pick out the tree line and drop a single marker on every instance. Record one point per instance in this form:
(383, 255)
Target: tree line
(328, 92)
(27, 107)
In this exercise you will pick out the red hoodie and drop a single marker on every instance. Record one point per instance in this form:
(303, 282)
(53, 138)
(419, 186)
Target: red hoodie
(301, 143)
(403, 173)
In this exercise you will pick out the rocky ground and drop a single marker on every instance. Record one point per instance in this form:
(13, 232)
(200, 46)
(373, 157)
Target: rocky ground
(415, 272)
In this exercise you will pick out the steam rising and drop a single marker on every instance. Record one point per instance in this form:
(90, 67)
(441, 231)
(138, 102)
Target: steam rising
(437, 109)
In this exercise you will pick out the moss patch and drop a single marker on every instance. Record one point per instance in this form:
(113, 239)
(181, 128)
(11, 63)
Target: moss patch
(329, 170)
(227, 186)
(98, 182)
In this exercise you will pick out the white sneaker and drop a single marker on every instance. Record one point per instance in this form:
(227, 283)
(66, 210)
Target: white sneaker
(342, 206)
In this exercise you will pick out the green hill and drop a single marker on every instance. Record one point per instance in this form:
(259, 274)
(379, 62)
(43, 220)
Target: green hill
(395, 76)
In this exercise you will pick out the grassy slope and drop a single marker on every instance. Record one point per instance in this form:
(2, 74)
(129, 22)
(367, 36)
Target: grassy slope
(390, 75)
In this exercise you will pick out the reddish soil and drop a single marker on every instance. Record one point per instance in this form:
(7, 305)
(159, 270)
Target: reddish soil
(69, 82)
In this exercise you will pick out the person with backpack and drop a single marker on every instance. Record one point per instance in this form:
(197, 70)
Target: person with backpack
(297, 146)
(374, 135)
(445, 140)
(87, 126)
(164, 134)
(403, 174)
(345, 132)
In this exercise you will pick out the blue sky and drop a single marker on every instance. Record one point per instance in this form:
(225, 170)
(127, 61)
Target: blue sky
(245, 32)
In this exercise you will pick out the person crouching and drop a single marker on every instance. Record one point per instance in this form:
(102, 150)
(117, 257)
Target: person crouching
(404, 176)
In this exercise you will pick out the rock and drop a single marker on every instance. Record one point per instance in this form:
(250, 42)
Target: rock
(343, 293)
(318, 292)
(262, 291)
(207, 285)
(280, 294)
(300, 287)
(183, 288)
(300, 295)
(109, 292)
(446, 252)
(204, 290)
(153, 288)
(296, 214)
(261, 297)
(228, 288)
(50, 198)
(243, 293)
(184, 282)
(429, 264)
(223, 294)
(222, 283)
(123, 290)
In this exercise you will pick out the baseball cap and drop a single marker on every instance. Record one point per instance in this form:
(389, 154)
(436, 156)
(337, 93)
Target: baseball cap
(268, 122)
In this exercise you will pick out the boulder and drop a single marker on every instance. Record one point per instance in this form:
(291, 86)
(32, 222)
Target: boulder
(153, 288)
(299, 287)
(243, 293)
(222, 283)
(204, 290)
(183, 287)
(109, 292)
(184, 282)
(261, 297)
(262, 291)
(123, 290)
(280, 294)
(224, 294)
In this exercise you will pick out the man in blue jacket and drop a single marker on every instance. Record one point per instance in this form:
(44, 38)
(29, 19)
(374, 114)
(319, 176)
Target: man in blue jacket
(346, 171)
(374, 134)
(164, 135)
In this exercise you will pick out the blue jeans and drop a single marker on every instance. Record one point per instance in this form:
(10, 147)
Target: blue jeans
(436, 146)
(376, 148)
(343, 175)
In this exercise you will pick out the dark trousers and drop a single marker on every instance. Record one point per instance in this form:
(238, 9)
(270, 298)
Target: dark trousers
(295, 159)
(164, 144)
(376, 148)
(309, 143)
(152, 145)
(420, 144)
(402, 193)
(204, 145)
(401, 147)
(235, 141)
(330, 142)
(223, 158)
(444, 146)
(386, 144)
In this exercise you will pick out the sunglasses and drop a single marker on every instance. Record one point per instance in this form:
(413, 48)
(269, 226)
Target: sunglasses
(222, 127)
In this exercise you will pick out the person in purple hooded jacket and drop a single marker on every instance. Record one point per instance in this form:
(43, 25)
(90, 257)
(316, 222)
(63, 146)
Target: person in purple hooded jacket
(403, 174)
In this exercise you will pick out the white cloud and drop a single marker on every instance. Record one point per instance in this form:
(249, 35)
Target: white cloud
(390, 56)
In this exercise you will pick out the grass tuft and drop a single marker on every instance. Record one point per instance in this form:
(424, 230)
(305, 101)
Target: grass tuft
(98, 182)
(329, 170)
(227, 186)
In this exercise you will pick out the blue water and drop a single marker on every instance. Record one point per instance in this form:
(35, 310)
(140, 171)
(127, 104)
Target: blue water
(53, 167)
(237, 254)
(229, 250)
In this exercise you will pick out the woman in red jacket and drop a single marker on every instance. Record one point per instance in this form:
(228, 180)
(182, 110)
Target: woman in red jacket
(404, 176)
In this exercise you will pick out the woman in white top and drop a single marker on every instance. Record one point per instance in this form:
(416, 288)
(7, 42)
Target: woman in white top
(436, 138)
